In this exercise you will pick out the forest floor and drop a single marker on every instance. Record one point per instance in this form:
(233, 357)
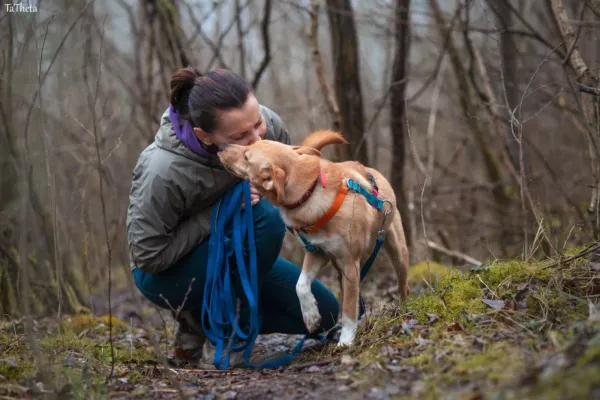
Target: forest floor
(505, 330)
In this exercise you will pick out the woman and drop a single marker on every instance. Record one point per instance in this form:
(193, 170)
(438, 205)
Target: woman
(175, 183)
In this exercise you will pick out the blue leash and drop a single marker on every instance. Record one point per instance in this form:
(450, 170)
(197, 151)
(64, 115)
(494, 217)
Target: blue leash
(219, 305)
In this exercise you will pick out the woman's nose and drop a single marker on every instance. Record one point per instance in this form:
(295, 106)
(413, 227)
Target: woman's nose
(254, 138)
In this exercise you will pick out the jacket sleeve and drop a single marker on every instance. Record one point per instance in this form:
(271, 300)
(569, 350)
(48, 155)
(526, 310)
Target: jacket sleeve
(158, 236)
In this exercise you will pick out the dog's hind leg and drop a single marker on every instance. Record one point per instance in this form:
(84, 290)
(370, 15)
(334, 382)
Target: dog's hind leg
(313, 262)
(395, 246)
(350, 292)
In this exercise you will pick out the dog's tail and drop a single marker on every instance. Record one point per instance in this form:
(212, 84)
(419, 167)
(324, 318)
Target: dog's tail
(321, 138)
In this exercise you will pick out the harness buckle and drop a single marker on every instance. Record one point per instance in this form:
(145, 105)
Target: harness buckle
(381, 234)
(386, 210)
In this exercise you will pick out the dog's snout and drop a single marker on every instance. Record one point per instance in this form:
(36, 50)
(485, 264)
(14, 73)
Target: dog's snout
(223, 146)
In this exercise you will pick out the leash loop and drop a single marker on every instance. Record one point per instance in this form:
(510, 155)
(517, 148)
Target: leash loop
(220, 321)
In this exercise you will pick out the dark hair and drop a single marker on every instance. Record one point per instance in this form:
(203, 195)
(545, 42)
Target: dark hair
(197, 97)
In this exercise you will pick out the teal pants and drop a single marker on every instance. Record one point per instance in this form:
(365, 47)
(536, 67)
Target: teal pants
(279, 304)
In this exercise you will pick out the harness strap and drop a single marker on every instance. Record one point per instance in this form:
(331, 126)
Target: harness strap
(371, 199)
(335, 206)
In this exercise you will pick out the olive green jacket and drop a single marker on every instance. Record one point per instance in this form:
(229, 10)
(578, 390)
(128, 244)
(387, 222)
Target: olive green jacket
(172, 193)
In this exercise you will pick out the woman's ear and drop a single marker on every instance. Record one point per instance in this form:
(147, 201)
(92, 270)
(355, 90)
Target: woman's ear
(203, 136)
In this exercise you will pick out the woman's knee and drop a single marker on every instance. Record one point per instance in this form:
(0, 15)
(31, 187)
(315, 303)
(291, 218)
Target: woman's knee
(268, 224)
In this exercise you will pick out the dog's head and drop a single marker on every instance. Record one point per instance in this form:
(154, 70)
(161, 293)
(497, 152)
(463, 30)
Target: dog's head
(268, 164)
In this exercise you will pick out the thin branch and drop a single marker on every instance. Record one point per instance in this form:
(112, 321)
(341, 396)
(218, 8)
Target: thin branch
(49, 176)
(266, 44)
(240, 37)
(103, 204)
(453, 253)
(319, 66)
(54, 57)
(574, 44)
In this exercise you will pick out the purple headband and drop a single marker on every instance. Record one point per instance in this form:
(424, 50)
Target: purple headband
(186, 135)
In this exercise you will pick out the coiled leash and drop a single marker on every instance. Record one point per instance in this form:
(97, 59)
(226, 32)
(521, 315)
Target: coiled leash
(219, 305)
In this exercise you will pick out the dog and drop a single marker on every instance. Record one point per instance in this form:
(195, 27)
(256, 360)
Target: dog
(313, 200)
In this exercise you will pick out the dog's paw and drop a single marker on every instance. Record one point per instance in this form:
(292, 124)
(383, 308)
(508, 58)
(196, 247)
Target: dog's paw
(346, 338)
(348, 333)
(312, 319)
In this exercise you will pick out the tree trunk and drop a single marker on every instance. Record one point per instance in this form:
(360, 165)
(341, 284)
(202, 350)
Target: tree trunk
(590, 105)
(398, 108)
(344, 46)
(508, 54)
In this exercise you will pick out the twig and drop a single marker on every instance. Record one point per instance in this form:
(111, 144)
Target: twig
(575, 257)
(264, 29)
(103, 204)
(432, 119)
(574, 44)
(240, 37)
(453, 253)
(588, 89)
(51, 186)
(54, 57)
(312, 364)
(319, 65)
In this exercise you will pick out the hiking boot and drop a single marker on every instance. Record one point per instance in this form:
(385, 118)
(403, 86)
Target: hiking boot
(189, 338)
(236, 358)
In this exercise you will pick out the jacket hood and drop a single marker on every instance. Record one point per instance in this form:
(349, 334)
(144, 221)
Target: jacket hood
(166, 139)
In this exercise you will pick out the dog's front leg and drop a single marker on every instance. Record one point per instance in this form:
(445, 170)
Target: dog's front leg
(311, 266)
(350, 288)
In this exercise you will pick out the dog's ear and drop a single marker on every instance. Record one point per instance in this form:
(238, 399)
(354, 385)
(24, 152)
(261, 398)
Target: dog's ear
(273, 179)
(304, 150)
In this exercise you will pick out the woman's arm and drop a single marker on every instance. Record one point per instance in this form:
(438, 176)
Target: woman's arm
(158, 237)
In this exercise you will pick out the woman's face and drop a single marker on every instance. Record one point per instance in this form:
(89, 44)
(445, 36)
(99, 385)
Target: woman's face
(242, 126)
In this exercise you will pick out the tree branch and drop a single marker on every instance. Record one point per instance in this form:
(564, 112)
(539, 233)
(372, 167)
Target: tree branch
(266, 44)
(319, 66)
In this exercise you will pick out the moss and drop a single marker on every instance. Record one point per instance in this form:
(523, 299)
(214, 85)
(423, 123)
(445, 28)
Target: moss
(79, 323)
(20, 370)
(429, 271)
(591, 355)
(57, 344)
(575, 383)
(490, 364)
(454, 294)
(503, 276)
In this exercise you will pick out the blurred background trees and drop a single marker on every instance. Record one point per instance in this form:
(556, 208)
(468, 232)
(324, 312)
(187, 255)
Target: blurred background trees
(472, 108)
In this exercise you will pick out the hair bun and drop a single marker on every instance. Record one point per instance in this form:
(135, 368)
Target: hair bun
(182, 82)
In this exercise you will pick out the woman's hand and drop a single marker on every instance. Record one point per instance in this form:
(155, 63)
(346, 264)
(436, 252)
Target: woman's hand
(254, 196)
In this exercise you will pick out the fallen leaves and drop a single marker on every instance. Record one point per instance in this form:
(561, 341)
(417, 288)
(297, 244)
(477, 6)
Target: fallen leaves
(495, 304)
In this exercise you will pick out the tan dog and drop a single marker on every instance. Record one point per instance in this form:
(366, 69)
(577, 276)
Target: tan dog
(311, 193)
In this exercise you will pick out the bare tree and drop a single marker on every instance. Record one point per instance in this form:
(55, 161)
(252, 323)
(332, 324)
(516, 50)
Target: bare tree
(345, 49)
(584, 77)
(398, 107)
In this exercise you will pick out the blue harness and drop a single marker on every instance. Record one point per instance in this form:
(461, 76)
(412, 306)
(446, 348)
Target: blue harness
(220, 303)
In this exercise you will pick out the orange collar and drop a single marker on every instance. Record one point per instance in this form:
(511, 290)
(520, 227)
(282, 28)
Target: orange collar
(335, 206)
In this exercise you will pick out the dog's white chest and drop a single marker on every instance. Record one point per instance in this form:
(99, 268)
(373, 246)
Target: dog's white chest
(329, 243)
